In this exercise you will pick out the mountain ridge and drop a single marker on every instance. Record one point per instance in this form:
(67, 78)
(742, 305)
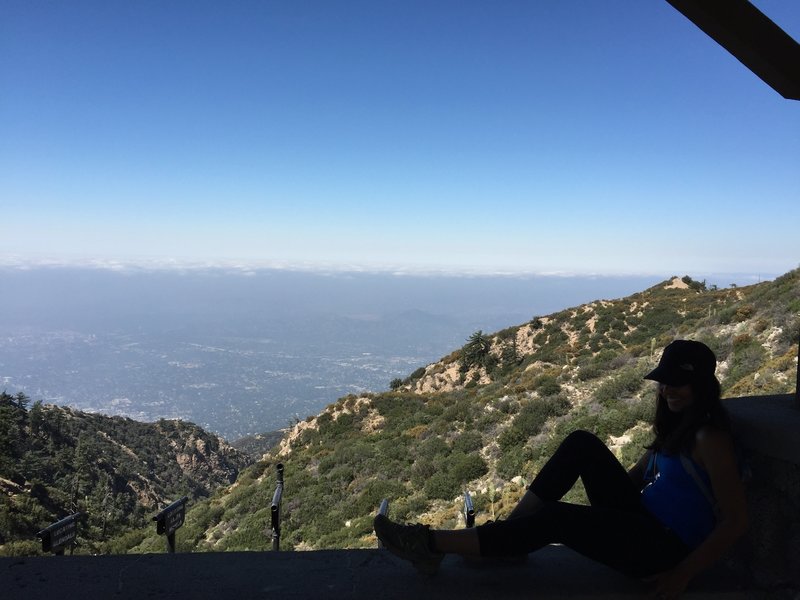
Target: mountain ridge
(509, 398)
(56, 460)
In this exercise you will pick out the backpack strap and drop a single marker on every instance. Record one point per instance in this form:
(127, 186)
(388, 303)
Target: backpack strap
(689, 467)
(651, 470)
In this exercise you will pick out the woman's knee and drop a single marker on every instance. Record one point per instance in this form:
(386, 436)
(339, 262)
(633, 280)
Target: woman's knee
(582, 439)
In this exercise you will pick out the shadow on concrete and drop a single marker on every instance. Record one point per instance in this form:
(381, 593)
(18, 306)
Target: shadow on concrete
(553, 572)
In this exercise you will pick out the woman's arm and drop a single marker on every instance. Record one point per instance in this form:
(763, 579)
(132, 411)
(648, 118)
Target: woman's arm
(638, 471)
(714, 450)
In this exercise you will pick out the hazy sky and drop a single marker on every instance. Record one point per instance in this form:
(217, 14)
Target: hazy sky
(600, 136)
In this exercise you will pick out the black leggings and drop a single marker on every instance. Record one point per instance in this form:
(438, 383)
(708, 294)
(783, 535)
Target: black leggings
(615, 530)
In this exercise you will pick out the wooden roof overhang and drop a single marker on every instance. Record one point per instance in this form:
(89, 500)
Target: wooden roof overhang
(752, 37)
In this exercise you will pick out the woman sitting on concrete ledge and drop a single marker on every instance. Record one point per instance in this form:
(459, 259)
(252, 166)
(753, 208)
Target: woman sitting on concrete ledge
(673, 514)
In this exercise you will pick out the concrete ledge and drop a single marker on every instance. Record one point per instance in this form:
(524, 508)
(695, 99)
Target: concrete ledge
(553, 572)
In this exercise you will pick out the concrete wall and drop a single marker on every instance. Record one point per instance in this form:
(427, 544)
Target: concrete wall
(769, 429)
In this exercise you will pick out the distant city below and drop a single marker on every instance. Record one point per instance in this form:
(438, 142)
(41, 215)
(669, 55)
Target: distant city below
(232, 385)
(243, 354)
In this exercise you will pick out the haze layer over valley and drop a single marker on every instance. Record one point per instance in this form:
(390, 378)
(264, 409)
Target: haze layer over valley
(246, 352)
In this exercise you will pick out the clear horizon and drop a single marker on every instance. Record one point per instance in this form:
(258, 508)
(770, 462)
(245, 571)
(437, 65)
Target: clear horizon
(451, 138)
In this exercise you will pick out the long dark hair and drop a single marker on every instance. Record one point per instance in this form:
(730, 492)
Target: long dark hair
(675, 431)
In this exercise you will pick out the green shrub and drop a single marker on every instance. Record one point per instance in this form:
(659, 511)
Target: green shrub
(408, 508)
(466, 467)
(547, 385)
(371, 496)
(590, 371)
(417, 374)
(636, 447)
(433, 449)
(530, 420)
(790, 332)
(748, 356)
(510, 463)
(442, 486)
(512, 437)
(469, 441)
(627, 382)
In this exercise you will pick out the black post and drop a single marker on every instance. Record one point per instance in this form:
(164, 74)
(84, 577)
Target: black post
(171, 543)
(469, 510)
(275, 510)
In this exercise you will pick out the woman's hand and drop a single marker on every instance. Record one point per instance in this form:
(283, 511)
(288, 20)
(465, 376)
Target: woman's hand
(670, 584)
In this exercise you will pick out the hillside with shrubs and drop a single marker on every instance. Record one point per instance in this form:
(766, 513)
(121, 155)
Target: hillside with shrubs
(486, 417)
(56, 461)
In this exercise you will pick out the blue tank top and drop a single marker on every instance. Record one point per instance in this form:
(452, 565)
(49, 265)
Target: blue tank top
(674, 498)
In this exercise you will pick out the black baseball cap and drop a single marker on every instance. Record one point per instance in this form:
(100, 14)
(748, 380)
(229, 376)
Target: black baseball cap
(684, 361)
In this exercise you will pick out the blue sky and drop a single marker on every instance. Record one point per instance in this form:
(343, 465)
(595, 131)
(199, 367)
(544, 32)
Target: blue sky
(578, 136)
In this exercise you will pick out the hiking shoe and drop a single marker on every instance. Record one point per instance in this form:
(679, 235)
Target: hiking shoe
(409, 542)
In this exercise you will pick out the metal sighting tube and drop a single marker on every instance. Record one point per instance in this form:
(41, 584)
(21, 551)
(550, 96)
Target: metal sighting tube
(797, 380)
(275, 510)
(383, 509)
(469, 510)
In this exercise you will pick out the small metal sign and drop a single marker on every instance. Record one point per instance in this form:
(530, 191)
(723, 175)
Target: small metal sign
(60, 534)
(172, 517)
(169, 520)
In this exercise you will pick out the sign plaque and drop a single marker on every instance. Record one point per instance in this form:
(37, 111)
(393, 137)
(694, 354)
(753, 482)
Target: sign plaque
(60, 534)
(169, 520)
